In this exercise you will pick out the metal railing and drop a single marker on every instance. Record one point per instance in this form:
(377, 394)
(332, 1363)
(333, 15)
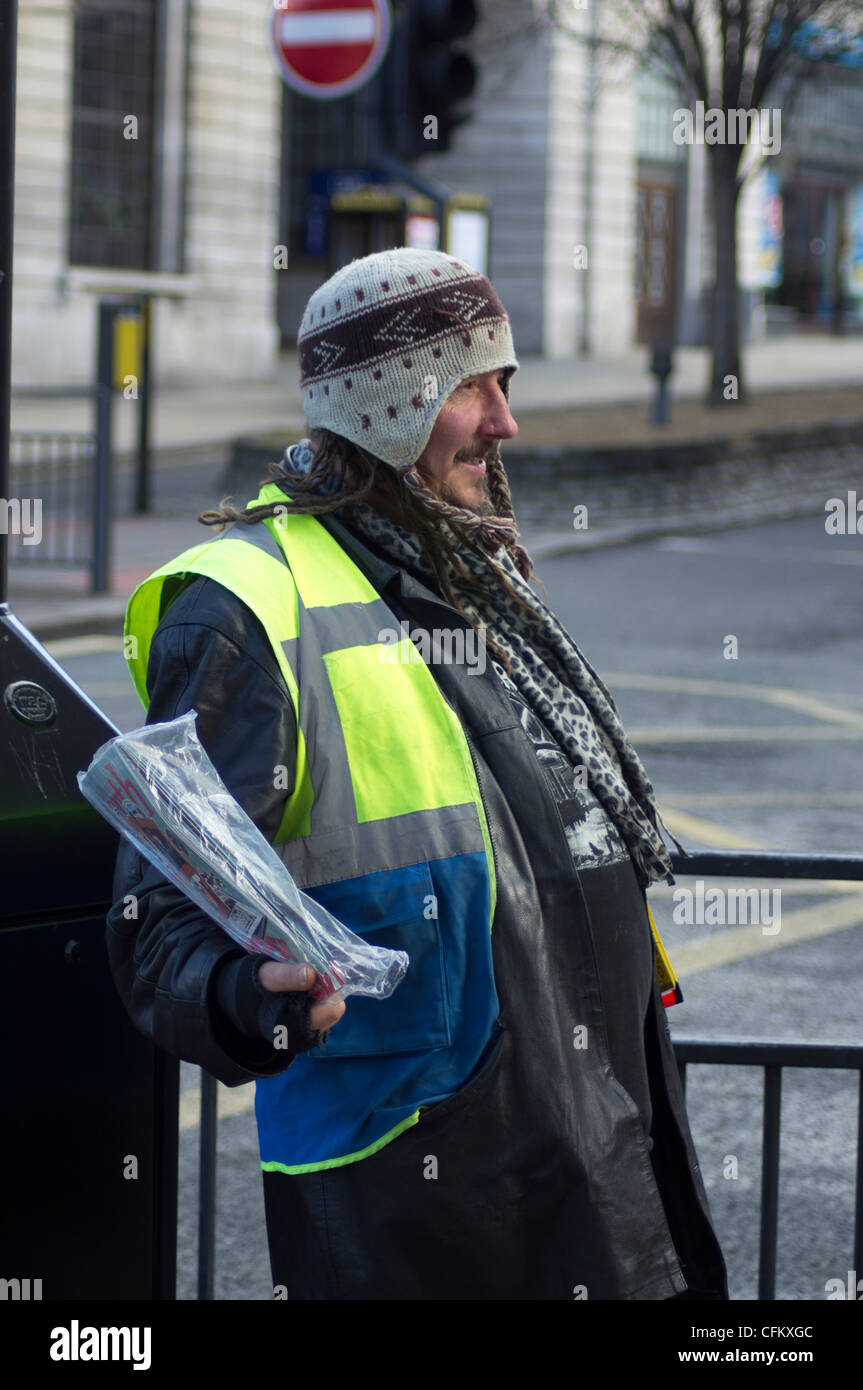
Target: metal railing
(771, 1056)
(68, 475)
(51, 477)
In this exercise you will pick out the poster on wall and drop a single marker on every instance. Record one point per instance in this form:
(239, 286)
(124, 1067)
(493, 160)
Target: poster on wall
(769, 256)
(855, 243)
(422, 231)
(467, 237)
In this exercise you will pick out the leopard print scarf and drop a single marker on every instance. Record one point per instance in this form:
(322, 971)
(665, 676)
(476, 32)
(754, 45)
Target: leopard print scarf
(546, 665)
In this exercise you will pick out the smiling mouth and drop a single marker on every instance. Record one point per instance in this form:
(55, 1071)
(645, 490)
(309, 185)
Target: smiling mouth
(477, 466)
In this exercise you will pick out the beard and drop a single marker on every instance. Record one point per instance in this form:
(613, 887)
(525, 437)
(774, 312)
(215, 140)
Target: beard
(482, 508)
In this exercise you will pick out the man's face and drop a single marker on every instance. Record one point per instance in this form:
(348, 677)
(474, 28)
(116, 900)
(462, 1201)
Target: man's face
(474, 414)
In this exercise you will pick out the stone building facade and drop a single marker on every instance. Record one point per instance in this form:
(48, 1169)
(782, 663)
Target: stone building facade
(147, 161)
(159, 152)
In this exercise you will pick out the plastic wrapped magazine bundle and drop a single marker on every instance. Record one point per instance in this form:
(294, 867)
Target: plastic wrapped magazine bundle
(157, 786)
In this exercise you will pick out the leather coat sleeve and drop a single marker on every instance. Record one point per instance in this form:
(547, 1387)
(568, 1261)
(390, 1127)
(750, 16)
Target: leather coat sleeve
(175, 969)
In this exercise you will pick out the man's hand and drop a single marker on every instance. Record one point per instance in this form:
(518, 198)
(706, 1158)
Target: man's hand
(278, 978)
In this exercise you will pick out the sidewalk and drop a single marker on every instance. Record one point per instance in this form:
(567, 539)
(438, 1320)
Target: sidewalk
(558, 403)
(792, 369)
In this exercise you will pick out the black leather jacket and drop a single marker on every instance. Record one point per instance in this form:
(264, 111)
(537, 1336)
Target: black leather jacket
(550, 1186)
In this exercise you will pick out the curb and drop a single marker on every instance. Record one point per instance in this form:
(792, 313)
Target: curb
(249, 454)
(78, 622)
(554, 548)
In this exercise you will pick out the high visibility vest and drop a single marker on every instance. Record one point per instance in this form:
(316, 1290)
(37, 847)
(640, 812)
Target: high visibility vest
(385, 826)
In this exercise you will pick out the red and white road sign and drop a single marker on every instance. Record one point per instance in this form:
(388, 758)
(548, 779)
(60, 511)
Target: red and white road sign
(328, 48)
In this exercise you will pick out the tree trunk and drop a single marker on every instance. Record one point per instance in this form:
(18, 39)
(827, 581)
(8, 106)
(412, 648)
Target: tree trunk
(726, 382)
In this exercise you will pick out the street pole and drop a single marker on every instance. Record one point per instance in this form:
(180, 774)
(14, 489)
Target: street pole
(377, 138)
(100, 554)
(585, 343)
(8, 36)
(142, 482)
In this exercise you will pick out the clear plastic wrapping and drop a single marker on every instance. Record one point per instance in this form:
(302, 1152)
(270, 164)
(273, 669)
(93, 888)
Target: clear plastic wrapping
(157, 786)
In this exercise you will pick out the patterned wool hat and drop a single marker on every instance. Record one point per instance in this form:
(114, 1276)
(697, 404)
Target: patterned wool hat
(386, 339)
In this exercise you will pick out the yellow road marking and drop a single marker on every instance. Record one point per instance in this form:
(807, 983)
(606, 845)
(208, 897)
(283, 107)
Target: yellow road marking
(796, 887)
(230, 1100)
(718, 837)
(102, 689)
(190, 1108)
(719, 800)
(819, 709)
(736, 943)
(715, 836)
(86, 645)
(812, 704)
(741, 733)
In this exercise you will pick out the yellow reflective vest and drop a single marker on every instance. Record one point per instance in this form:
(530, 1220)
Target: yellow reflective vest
(384, 825)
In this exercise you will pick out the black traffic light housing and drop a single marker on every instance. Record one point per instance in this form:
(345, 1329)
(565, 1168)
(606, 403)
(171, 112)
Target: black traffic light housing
(427, 75)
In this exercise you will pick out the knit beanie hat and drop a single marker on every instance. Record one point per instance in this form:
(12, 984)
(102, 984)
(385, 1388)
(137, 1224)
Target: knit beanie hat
(387, 338)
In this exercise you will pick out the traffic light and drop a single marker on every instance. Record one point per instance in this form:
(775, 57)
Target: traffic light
(433, 75)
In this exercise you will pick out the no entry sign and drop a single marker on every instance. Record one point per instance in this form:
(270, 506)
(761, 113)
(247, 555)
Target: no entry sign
(328, 48)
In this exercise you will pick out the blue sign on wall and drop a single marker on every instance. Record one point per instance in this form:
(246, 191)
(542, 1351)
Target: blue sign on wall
(855, 257)
(822, 44)
(322, 184)
(770, 246)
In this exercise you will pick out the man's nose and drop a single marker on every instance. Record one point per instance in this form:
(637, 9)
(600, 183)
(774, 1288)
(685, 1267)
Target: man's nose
(499, 420)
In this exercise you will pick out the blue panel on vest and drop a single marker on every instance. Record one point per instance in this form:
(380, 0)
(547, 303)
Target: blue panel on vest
(323, 1108)
(397, 909)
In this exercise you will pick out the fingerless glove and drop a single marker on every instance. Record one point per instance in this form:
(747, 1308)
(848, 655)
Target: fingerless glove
(257, 1012)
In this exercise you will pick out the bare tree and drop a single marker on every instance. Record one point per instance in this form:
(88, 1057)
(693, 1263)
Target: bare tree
(732, 56)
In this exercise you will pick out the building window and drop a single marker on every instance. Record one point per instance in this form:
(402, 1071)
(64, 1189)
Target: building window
(658, 99)
(113, 120)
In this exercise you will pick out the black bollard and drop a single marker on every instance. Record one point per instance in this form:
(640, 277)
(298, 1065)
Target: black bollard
(661, 367)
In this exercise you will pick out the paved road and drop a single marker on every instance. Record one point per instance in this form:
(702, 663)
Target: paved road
(759, 749)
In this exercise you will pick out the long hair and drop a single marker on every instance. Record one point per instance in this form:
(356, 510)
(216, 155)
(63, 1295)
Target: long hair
(359, 476)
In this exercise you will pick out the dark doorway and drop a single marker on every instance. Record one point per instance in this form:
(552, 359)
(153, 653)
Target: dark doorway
(813, 212)
(355, 234)
(655, 265)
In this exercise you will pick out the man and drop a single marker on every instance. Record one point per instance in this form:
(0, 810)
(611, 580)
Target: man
(509, 1123)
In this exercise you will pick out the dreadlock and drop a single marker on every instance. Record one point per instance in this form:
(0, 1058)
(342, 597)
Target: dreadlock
(361, 477)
